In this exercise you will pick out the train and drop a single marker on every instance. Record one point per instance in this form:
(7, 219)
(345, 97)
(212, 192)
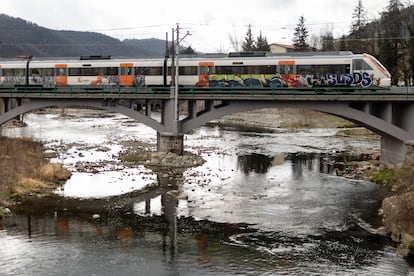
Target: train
(240, 70)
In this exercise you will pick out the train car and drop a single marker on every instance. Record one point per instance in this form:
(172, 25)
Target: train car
(295, 70)
(314, 69)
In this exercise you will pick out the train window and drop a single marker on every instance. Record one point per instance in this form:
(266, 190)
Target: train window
(322, 69)
(232, 70)
(87, 71)
(206, 70)
(42, 71)
(360, 65)
(267, 69)
(188, 70)
(154, 71)
(14, 72)
(148, 71)
(74, 71)
(141, 71)
(126, 71)
(111, 71)
(60, 71)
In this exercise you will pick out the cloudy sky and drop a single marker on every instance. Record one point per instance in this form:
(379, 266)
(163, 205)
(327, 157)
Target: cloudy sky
(211, 23)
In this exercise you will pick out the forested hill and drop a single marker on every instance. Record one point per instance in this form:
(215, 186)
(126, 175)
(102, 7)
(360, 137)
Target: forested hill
(20, 37)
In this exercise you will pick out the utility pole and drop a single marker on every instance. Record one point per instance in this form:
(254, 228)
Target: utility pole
(177, 69)
(175, 73)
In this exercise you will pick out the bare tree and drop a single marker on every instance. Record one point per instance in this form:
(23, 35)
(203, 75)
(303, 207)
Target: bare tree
(235, 43)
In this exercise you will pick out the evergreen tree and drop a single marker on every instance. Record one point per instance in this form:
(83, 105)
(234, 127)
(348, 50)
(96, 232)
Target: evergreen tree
(188, 51)
(301, 35)
(261, 43)
(327, 42)
(391, 44)
(360, 18)
(248, 43)
(411, 53)
(358, 36)
(343, 45)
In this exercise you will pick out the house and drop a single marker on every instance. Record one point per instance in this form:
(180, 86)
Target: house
(281, 48)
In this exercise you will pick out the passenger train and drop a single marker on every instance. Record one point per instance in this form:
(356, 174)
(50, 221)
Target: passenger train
(296, 70)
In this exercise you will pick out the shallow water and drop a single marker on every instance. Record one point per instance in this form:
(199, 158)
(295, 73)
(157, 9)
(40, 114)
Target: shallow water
(261, 204)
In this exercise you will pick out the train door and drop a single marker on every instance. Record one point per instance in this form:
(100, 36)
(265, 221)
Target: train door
(205, 70)
(61, 74)
(287, 70)
(127, 74)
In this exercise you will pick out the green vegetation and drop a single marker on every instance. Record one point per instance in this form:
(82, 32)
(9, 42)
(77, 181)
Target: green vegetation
(385, 176)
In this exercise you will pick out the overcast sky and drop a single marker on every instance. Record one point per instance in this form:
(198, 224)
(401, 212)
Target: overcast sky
(210, 23)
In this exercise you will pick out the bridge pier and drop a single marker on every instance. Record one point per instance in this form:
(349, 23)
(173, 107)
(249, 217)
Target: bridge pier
(392, 150)
(169, 142)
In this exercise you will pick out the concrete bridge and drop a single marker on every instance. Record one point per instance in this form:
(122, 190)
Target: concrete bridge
(387, 112)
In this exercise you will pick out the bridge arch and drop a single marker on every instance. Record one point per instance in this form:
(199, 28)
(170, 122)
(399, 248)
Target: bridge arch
(35, 104)
(340, 109)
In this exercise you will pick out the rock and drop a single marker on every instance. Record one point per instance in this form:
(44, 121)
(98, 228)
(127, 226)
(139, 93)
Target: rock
(407, 241)
(96, 216)
(398, 221)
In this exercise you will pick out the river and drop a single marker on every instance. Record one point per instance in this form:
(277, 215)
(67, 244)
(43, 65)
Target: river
(262, 204)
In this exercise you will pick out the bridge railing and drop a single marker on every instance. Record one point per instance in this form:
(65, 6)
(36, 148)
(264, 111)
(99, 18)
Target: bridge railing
(212, 91)
(275, 91)
(76, 90)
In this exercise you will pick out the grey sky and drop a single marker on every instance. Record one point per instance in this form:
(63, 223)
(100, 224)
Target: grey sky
(210, 22)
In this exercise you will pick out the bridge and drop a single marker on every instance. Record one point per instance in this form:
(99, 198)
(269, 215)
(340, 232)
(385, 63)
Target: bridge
(387, 112)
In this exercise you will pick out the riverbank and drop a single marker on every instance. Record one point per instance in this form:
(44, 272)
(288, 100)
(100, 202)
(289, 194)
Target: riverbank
(25, 171)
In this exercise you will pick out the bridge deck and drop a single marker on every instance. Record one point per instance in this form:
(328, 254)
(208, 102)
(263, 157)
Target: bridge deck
(218, 93)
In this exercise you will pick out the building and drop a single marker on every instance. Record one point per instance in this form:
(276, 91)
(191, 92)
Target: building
(281, 48)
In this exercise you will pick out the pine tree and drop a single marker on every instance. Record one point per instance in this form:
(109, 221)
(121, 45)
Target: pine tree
(360, 18)
(391, 44)
(358, 36)
(261, 43)
(300, 36)
(188, 51)
(248, 43)
(327, 41)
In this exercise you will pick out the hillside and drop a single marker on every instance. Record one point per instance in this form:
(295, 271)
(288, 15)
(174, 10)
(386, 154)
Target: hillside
(20, 37)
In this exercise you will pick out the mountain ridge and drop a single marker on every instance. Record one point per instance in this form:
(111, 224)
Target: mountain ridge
(21, 37)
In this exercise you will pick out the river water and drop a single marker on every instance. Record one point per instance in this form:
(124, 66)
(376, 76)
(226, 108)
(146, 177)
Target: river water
(262, 204)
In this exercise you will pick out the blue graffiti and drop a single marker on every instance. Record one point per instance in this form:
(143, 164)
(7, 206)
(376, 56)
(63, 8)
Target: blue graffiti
(353, 79)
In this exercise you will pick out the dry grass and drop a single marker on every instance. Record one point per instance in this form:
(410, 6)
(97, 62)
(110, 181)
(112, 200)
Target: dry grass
(24, 169)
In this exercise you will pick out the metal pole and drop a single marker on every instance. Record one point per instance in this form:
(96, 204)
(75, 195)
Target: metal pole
(29, 58)
(177, 66)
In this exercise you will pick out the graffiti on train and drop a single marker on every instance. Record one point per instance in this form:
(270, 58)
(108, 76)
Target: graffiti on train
(353, 79)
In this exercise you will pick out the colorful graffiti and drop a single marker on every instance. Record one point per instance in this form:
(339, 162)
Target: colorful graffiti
(362, 79)
(355, 79)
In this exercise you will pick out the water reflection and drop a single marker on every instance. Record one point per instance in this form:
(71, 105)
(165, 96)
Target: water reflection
(325, 163)
(257, 163)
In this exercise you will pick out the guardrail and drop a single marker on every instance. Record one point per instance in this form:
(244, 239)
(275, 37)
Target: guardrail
(212, 91)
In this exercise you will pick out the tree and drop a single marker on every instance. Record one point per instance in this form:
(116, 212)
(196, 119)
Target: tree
(359, 35)
(327, 41)
(261, 43)
(411, 53)
(360, 18)
(235, 43)
(300, 36)
(188, 51)
(391, 44)
(248, 43)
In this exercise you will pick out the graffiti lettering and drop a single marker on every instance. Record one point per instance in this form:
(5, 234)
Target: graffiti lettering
(355, 79)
